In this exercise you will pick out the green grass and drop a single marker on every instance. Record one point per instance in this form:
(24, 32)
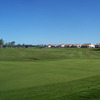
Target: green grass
(22, 54)
(49, 74)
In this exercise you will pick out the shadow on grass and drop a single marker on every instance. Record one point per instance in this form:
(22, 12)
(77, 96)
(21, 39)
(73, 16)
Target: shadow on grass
(97, 49)
(31, 59)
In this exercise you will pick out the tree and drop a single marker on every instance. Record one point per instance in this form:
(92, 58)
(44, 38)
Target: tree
(26, 46)
(5, 45)
(9, 44)
(1, 42)
(12, 43)
(23, 45)
(18, 45)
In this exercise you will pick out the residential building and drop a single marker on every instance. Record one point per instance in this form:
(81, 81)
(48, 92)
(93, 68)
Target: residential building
(68, 45)
(49, 45)
(88, 45)
(97, 45)
(77, 45)
(60, 45)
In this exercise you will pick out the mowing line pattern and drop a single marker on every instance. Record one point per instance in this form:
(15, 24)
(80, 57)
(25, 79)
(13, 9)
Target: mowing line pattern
(76, 89)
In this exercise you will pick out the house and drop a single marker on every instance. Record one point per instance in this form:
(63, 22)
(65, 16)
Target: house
(88, 45)
(77, 45)
(49, 45)
(68, 45)
(97, 45)
(60, 45)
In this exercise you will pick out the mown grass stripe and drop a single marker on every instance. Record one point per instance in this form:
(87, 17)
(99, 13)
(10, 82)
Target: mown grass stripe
(51, 92)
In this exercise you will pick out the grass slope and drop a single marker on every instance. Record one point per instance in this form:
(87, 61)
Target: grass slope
(19, 54)
(83, 89)
(49, 74)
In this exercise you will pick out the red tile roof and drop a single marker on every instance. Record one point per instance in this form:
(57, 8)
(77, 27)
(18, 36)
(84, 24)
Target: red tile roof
(59, 45)
(98, 44)
(69, 44)
(86, 44)
(49, 45)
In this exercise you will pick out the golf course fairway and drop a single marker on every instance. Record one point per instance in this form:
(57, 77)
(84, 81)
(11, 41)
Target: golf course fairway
(49, 74)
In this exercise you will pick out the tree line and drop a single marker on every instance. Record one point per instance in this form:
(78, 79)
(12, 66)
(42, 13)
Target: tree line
(13, 45)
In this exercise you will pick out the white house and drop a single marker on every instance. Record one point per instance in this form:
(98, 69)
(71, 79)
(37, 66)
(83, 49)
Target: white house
(49, 45)
(77, 45)
(88, 45)
(60, 45)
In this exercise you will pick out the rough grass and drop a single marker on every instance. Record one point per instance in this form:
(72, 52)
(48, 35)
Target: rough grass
(19, 54)
(49, 74)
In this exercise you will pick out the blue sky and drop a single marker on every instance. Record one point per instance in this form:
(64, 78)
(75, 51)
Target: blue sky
(50, 21)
